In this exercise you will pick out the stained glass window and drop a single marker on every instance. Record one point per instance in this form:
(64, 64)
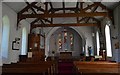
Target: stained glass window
(65, 40)
(60, 41)
(71, 41)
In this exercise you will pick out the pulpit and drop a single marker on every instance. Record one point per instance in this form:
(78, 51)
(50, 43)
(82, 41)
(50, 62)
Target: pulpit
(34, 50)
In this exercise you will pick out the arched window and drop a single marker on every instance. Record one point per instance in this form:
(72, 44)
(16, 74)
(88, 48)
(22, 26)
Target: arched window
(5, 37)
(98, 42)
(65, 40)
(24, 42)
(108, 41)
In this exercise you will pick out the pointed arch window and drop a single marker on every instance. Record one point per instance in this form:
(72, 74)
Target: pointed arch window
(71, 41)
(60, 41)
(5, 36)
(98, 42)
(108, 41)
(65, 40)
(24, 42)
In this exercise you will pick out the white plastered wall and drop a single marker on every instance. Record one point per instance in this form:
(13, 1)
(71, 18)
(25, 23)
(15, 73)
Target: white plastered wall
(13, 55)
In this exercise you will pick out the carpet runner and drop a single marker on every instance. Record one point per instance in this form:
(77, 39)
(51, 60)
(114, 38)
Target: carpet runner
(66, 67)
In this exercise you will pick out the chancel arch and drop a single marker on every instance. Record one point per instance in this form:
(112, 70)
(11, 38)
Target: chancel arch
(52, 30)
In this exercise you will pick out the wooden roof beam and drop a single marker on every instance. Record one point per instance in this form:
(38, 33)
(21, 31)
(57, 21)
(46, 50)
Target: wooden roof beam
(51, 5)
(82, 19)
(35, 13)
(39, 8)
(54, 15)
(89, 7)
(95, 19)
(81, 10)
(57, 9)
(91, 11)
(104, 7)
(71, 24)
(46, 20)
(51, 9)
(77, 5)
(63, 3)
(81, 7)
(36, 20)
(27, 7)
(46, 7)
(42, 22)
(31, 8)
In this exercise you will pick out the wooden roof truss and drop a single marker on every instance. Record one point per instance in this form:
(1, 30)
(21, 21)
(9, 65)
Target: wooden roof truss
(46, 16)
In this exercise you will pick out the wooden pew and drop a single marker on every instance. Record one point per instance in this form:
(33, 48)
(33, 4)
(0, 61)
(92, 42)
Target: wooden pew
(30, 67)
(53, 67)
(107, 68)
(23, 68)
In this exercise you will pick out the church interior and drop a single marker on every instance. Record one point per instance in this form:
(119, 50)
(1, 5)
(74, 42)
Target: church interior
(60, 37)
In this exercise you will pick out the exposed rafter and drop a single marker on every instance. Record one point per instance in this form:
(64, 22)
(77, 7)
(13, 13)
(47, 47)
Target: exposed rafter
(36, 20)
(79, 11)
(70, 24)
(51, 5)
(27, 7)
(95, 19)
(89, 7)
(31, 8)
(82, 19)
(58, 9)
(36, 13)
(77, 5)
(24, 10)
(93, 10)
(55, 15)
(81, 6)
(42, 22)
(63, 4)
(46, 7)
(104, 7)
(38, 8)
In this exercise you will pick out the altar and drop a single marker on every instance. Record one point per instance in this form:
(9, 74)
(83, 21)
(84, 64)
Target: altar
(65, 55)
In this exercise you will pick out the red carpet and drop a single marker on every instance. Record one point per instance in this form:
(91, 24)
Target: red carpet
(66, 68)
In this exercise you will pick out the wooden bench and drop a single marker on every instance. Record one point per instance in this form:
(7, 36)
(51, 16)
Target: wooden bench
(30, 67)
(96, 67)
(53, 67)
